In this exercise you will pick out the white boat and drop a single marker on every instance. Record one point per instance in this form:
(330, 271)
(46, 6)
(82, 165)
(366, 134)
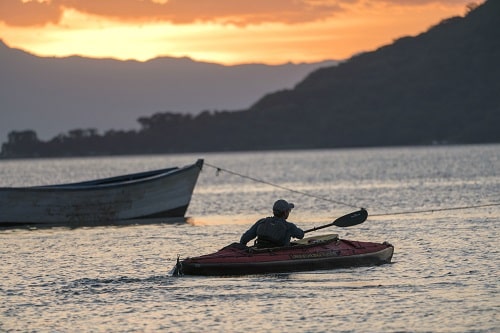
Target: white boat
(144, 196)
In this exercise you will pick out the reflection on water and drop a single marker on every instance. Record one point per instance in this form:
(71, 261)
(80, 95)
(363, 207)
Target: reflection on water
(444, 275)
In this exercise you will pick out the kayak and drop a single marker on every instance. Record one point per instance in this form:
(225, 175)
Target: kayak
(309, 254)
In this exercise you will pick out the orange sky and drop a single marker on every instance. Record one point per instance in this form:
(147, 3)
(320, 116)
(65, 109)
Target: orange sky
(221, 31)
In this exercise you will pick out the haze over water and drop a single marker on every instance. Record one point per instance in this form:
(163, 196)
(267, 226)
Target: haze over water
(444, 275)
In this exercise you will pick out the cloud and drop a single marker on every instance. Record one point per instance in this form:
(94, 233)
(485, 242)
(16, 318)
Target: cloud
(41, 12)
(32, 13)
(426, 2)
(238, 12)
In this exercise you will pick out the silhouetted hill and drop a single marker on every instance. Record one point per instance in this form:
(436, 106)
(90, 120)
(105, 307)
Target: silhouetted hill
(52, 95)
(441, 86)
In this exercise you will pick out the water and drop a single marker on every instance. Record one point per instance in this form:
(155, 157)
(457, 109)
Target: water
(444, 276)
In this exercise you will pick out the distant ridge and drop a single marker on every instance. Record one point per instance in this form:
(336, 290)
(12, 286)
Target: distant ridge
(440, 87)
(52, 95)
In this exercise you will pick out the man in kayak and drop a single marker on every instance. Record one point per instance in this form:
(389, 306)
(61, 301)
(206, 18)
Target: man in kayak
(274, 231)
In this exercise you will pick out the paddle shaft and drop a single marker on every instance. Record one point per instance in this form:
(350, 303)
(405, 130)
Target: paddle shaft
(345, 221)
(320, 227)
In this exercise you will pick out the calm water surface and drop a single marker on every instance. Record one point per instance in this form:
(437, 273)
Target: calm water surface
(444, 276)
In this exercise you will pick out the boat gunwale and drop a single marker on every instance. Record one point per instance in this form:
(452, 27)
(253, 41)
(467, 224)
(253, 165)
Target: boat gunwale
(294, 246)
(250, 251)
(110, 182)
(379, 257)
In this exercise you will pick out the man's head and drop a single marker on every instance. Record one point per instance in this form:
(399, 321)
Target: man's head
(282, 208)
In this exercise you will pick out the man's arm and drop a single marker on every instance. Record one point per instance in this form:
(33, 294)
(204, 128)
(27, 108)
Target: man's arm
(296, 232)
(249, 234)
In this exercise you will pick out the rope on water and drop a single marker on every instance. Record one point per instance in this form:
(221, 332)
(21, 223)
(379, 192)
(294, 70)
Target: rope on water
(219, 169)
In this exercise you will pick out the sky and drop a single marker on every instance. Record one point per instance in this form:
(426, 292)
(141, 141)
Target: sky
(220, 31)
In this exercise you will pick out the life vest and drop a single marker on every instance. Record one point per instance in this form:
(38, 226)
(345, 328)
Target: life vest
(272, 230)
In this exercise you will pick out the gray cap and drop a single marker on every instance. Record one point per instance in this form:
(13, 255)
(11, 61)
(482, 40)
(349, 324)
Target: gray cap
(282, 206)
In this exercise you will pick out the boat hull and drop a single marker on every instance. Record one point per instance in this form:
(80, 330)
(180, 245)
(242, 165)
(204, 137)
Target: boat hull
(164, 193)
(327, 254)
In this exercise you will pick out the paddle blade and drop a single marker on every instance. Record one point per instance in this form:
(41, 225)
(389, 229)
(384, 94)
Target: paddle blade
(351, 219)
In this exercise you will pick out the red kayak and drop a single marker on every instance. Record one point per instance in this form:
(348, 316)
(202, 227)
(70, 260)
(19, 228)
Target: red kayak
(309, 254)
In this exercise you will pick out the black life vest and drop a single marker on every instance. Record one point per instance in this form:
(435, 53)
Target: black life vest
(272, 230)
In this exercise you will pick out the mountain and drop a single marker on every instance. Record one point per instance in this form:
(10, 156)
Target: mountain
(52, 95)
(441, 86)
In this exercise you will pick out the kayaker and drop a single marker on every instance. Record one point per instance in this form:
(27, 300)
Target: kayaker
(275, 230)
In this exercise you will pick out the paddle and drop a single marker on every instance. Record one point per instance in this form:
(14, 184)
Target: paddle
(346, 220)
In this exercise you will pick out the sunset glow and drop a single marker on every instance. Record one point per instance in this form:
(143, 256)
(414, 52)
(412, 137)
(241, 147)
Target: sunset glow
(221, 31)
